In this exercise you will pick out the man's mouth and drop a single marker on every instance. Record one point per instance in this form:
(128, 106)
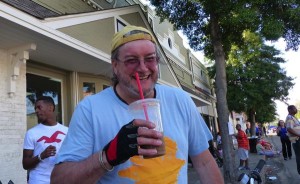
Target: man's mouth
(143, 77)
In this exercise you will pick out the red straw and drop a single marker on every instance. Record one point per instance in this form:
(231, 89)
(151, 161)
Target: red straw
(139, 85)
(141, 94)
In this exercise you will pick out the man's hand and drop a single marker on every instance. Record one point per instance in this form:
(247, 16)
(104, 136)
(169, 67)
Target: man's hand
(29, 161)
(48, 152)
(129, 139)
(123, 146)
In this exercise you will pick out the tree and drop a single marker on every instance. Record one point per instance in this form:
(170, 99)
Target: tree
(255, 79)
(266, 114)
(213, 26)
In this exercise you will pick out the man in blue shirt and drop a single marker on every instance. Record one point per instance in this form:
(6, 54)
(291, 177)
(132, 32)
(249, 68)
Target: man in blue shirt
(106, 145)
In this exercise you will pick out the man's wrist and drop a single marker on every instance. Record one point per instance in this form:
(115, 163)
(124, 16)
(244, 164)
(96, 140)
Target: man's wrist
(39, 157)
(102, 163)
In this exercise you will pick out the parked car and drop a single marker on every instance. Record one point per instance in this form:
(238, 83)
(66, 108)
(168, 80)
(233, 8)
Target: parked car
(272, 130)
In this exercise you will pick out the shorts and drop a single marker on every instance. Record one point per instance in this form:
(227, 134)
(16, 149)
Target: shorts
(243, 154)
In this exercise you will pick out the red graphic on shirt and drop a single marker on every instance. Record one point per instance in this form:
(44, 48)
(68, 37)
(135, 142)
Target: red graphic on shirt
(51, 139)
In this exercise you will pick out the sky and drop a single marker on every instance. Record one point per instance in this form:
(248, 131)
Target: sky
(291, 66)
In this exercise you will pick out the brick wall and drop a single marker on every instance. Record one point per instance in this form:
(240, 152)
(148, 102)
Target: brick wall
(12, 124)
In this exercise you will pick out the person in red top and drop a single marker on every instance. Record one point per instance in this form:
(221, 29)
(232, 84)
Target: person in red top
(266, 144)
(243, 147)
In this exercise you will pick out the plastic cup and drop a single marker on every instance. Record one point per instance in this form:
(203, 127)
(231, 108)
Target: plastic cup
(149, 109)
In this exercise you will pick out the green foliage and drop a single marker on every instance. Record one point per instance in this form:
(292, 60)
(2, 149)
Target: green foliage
(265, 113)
(255, 79)
(271, 19)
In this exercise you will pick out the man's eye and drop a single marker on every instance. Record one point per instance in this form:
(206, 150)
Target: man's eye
(150, 59)
(132, 61)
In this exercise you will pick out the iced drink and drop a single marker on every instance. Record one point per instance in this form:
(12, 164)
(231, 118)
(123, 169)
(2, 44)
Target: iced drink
(149, 109)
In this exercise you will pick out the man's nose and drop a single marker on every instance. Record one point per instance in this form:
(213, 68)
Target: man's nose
(142, 65)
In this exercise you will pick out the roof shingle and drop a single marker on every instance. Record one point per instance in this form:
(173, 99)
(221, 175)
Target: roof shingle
(32, 8)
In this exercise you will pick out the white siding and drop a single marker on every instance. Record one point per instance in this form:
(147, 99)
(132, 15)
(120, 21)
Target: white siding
(12, 123)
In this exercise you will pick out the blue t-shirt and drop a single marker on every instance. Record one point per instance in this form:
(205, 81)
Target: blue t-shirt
(283, 133)
(98, 118)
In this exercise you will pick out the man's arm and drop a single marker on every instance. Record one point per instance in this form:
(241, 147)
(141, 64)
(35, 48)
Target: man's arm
(207, 168)
(290, 127)
(30, 162)
(90, 169)
(278, 129)
(293, 131)
(86, 171)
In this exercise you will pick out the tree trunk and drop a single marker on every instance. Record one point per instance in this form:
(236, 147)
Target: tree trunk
(229, 167)
(252, 122)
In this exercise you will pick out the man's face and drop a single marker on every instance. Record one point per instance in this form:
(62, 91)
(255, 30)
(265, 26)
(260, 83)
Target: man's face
(43, 111)
(295, 110)
(238, 127)
(136, 56)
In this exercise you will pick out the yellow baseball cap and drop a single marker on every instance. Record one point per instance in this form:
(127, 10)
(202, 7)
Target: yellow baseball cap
(130, 33)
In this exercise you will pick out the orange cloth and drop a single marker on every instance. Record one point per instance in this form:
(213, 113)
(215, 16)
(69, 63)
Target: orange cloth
(242, 140)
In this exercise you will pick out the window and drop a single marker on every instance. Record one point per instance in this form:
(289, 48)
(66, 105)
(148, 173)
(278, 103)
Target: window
(42, 86)
(88, 88)
(90, 84)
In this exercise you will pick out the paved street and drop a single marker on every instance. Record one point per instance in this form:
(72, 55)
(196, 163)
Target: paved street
(276, 170)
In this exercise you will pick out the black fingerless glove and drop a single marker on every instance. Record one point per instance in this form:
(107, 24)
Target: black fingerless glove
(123, 146)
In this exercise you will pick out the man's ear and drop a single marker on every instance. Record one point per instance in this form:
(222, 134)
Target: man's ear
(114, 66)
(51, 108)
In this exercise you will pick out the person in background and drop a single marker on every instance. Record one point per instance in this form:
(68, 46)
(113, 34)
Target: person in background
(42, 142)
(264, 130)
(266, 144)
(293, 128)
(243, 148)
(106, 145)
(248, 129)
(219, 138)
(262, 149)
(219, 144)
(258, 130)
(285, 141)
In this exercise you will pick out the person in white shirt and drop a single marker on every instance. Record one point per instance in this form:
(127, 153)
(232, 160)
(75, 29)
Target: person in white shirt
(293, 128)
(42, 142)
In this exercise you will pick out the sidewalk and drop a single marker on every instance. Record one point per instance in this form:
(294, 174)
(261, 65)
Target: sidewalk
(288, 170)
(276, 170)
